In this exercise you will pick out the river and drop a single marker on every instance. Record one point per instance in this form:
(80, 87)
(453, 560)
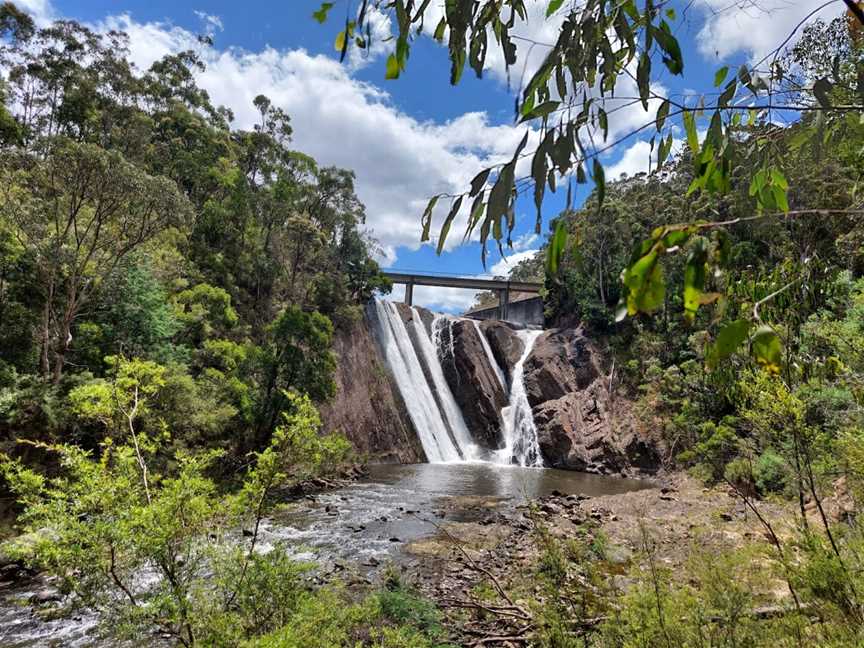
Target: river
(353, 530)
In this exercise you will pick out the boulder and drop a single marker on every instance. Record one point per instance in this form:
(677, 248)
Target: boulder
(474, 382)
(579, 424)
(560, 363)
(574, 432)
(506, 345)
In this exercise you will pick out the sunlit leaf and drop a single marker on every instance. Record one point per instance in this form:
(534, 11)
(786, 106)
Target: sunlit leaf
(766, 347)
(554, 5)
(321, 14)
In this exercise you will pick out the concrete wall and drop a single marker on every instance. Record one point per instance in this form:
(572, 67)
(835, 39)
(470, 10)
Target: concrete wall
(527, 312)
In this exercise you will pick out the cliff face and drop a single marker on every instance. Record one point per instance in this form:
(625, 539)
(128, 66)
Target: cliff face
(474, 382)
(580, 425)
(367, 407)
(506, 346)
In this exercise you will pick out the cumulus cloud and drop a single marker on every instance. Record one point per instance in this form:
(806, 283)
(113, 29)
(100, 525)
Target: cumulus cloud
(638, 158)
(755, 28)
(341, 121)
(506, 265)
(441, 300)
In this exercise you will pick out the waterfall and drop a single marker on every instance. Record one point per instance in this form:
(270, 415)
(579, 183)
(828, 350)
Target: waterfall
(489, 355)
(520, 434)
(439, 440)
(414, 357)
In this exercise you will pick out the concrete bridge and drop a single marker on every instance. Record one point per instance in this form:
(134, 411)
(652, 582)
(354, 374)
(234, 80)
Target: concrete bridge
(503, 287)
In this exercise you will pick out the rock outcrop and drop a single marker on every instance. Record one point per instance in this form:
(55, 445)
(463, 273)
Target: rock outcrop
(474, 382)
(580, 426)
(506, 346)
(367, 407)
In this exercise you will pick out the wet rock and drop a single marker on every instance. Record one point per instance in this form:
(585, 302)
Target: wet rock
(44, 596)
(578, 424)
(247, 533)
(560, 363)
(367, 407)
(507, 347)
(474, 382)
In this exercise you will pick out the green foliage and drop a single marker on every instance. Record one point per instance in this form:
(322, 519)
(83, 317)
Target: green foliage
(103, 522)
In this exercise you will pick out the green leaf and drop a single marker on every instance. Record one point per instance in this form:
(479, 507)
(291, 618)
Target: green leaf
(674, 60)
(646, 286)
(538, 173)
(662, 114)
(339, 43)
(392, 67)
(426, 220)
(694, 279)
(321, 14)
(479, 181)
(821, 90)
(599, 182)
(643, 78)
(541, 111)
(692, 136)
(476, 212)
(766, 347)
(554, 5)
(720, 76)
(445, 228)
(728, 339)
(439, 30)
(556, 248)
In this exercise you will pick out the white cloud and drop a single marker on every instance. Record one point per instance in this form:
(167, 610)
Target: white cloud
(211, 22)
(436, 298)
(637, 157)
(506, 265)
(754, 28)
(399, 161)
(42, 11)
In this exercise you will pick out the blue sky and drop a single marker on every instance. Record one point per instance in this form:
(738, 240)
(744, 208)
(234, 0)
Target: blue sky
(416, 136)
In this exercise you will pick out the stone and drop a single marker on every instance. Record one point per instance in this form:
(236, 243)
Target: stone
(579, 426)
(560, 363)
(368, 408)
(474, 382)
(506, 345)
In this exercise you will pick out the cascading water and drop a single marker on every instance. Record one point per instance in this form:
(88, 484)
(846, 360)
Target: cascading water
(489, 355)
(520, 434)
(414, 357)
(438, 421)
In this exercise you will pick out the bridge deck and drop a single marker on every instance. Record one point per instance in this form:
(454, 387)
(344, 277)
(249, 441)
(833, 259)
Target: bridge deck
(464, 282)
(501, 286)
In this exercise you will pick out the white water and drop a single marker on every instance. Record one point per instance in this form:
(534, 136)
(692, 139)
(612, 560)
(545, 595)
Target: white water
(490, 356)
(419, 400)
(520, 434)
(450, 409)
(430, 403)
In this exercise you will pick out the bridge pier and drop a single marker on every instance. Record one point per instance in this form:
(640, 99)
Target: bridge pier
(409, 293)
(503, 302)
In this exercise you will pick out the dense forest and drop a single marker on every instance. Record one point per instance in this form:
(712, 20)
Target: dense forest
(169, 291)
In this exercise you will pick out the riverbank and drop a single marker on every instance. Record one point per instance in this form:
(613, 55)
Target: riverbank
(496, 578)
(493, 548)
